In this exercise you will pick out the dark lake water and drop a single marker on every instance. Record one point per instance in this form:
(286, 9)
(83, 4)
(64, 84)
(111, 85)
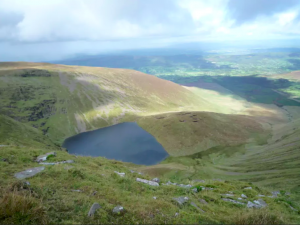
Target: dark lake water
(126, 142)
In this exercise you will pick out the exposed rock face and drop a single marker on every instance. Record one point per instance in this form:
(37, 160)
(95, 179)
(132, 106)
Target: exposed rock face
(152, 183)
(257, 204)
(261, 202)
(118, 209)
(252, 205)
(195, 190)
(199, 209)
(43, 158)
(244, 196)
(120, 174)
(156, 180)
(233, 201)
(93, 209)
(29, 173)
(179, 185)
(229, 195)
(181, 200)
(55, 163)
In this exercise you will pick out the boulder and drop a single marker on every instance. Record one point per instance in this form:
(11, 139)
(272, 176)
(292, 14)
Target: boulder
(244, 196)
(156, 180)
(195, 190)
(181, 200)
(154, 197)
(93, 209)
(120, 174)
(29, 173)
(118, 209)
(261, 202)
(249, 188)
(206, 188)
(27, 183)
(257, 204)
(233, 201)
(152, 183)
(252, 205)
(44, 157)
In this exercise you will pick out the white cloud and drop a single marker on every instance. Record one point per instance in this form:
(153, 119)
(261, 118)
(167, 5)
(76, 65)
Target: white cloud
(147, 22)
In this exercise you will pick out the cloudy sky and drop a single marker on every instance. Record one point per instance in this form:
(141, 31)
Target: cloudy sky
(53, 29)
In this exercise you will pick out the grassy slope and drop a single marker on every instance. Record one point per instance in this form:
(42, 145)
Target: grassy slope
(64, 100)
(268, 159)
(50, 199)
(192, 132)
(13, 132)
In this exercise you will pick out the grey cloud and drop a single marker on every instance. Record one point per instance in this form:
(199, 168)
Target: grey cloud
(243, 11)
(159, 12)
(9, 18)
(94, 20)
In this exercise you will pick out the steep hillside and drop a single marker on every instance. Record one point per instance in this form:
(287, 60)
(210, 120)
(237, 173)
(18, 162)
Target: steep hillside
(64, 100)
(13, 132)
(186, 133)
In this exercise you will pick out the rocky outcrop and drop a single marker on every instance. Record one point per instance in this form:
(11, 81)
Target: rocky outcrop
(244, 196)
(44, 157)
(93, 209)
(56, 163)
(181, 200)
(29, 173)
(118, 209)
(233, 201)
(257, 204)
(152, 183)
(156, 180)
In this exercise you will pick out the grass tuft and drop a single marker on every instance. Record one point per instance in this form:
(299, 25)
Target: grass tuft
(257, 217)
(19, 207)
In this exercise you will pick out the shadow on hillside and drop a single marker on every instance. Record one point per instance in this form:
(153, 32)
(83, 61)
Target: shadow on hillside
(252, 88)
(36, 96)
